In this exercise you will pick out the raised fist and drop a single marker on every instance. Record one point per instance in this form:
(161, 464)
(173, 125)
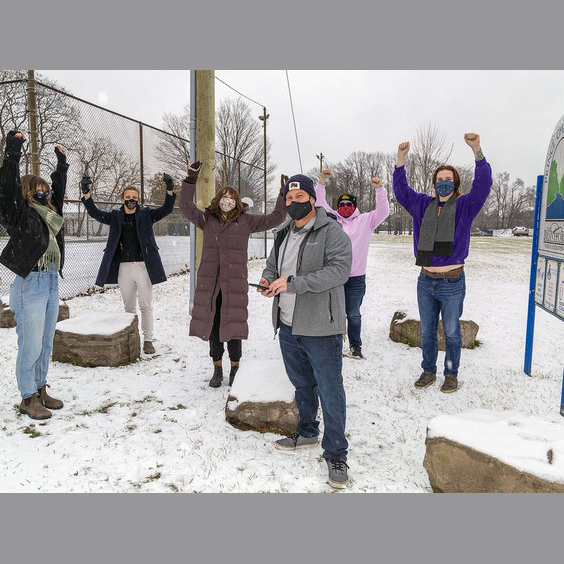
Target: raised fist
(15, 141)
(60, 152)
(325, 174)
(403, 149)
(283, 181)
(193, 172)
(167, 179)
(472, 140)
(85, 184)
(376, 182)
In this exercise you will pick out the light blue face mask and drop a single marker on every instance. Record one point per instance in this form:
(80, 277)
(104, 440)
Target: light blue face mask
(444, 188)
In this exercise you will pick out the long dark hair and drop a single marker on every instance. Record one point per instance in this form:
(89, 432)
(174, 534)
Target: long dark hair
(216, 210)
(30, 184)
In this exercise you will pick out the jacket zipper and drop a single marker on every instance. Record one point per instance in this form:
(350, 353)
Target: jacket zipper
(330, 307)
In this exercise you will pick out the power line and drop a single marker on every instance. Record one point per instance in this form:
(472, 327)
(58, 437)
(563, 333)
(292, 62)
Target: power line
(240, 93)
(294, 119)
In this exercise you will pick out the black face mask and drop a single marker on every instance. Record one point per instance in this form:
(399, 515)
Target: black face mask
(297, 210)
(42, 197)
(131, 204)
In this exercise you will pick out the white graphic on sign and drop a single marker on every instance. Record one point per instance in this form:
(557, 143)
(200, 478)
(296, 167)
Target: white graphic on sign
(550, 284)
(539, 290)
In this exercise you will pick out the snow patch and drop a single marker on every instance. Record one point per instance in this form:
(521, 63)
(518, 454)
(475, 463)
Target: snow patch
(101, 323)
(262, 381)
(530, 443)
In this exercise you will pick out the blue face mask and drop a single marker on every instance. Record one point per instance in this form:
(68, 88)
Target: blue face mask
(444, 188)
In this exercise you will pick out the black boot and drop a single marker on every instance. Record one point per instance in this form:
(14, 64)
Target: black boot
(217, 377)
(234, 369)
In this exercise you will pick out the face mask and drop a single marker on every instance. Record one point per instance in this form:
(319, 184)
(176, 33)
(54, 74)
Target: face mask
(42, 197)
(131, 204)
(227, 205)
(297, 210)
(346, 210)
(444, 188)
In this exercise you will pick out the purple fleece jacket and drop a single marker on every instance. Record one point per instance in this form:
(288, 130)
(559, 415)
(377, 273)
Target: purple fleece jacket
(468, 207)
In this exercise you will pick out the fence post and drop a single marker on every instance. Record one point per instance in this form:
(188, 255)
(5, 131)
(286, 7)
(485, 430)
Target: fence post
(32, 109)
(533, 280)
(141, 163)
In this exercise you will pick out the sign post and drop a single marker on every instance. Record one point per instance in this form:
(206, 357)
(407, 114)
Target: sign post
(546, 287)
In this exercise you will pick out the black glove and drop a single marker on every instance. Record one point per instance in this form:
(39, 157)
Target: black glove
(61, 157)
(283, 181)
(85, 184)
(14, 144)
(193, 172)
(168, 181)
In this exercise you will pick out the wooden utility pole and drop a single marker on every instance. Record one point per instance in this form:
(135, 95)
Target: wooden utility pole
(32, 109)
(263, 118)
(320, 157)
(205, 145)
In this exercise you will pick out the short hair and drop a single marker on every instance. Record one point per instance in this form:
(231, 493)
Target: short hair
(455, 175)
(129, 188)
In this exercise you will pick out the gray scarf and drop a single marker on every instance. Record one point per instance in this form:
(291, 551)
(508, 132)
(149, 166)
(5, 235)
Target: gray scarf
(437, 231)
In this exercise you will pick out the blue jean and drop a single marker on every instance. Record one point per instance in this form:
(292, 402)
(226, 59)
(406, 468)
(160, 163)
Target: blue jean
(35, 303)
(444, 296)
(355, 288)
(314, 366)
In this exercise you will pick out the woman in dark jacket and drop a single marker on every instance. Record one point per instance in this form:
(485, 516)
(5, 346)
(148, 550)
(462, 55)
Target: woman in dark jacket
(220, 303)
(32, 213)
(131, 257)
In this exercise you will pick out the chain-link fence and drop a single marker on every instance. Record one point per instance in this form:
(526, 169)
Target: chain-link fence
(116, 152)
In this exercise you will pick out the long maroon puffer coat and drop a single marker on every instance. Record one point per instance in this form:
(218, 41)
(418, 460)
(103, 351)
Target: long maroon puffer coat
(224, 266)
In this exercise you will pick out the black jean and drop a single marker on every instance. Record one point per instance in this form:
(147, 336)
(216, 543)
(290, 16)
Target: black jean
(217, 348)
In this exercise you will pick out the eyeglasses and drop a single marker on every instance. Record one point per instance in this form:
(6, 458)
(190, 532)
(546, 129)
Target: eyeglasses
(346, 205)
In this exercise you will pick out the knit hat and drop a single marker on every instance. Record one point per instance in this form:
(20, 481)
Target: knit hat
(348, 198)
(300, 182)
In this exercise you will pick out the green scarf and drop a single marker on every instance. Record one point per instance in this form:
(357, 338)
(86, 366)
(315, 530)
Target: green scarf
(52, 256)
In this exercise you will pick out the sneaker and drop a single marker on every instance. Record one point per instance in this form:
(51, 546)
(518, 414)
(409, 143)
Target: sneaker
(338, 476)
(425, 380)
(295, 442)
(450, 385)
(356, 352)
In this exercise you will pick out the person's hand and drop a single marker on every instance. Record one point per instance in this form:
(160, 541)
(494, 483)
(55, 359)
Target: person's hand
(85, 185)
(472, 140)
(403, 149)
(263, 282)
(376, 182)
(283, 180)
(15, 141)
(167, 179)
(325, 174)
(277, 287)
(193, 172)
(60, 152)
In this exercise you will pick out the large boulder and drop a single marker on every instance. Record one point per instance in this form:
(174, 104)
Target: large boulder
(98, 339)
(7, 319)
(486, 451)
(262, 399)
(406, 328)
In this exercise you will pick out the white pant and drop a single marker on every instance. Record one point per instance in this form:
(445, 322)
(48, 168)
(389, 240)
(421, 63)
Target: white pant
(134, 282)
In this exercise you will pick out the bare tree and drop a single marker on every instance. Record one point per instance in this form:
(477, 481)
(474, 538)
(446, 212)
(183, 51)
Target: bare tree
(173, 151)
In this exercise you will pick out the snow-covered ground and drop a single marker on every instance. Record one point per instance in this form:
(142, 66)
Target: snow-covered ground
(157, 426)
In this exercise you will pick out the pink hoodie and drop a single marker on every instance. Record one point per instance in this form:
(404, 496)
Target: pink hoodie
(359, 226)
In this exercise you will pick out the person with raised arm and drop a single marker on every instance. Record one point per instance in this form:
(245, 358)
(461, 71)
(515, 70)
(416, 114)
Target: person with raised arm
(359, 227)
(441, 241)
(31, 211)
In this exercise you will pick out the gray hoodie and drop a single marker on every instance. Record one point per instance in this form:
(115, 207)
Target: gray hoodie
(324, 265)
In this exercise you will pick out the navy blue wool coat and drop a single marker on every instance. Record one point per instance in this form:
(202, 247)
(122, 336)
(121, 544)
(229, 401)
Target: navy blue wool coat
(145, 217)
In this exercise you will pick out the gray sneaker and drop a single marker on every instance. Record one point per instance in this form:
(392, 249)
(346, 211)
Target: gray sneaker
(425, 380)
(295, 442)
(338, 476)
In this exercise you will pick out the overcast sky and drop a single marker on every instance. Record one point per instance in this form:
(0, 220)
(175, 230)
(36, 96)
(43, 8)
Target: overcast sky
(338, 112)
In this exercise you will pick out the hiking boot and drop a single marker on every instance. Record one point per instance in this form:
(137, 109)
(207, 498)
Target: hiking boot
(46, 400)
(148, 347)
(338, 476)
(234, 369)
(425, 380)
(32, 407)
(356, 352)
(217, 377)
(450, 385)
(296, 442)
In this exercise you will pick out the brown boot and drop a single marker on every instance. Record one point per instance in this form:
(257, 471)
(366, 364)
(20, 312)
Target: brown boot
(148, 347)
(32, 407)
(47, 400)
(425, 380)
(450, 385)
